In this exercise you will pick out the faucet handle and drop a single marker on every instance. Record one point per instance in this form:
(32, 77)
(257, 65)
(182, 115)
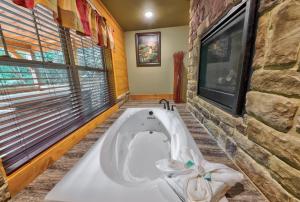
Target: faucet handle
(164, 105)
(172, 107)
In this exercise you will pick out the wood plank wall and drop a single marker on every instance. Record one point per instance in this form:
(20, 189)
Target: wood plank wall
(118, 54)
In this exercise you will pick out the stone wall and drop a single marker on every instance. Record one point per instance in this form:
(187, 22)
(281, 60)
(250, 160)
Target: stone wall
(4, 194)
(264, 142)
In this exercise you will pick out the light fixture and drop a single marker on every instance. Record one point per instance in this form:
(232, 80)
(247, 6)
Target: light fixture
(148, 14)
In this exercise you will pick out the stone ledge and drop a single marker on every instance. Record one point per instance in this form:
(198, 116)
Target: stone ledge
(203, 111)
(225, 142)
(194, 111)
(230, 147)
(227, 128)
(219, 114)
(214, 130)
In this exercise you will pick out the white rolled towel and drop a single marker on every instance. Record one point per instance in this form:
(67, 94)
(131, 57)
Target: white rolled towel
(202, 182)
(212, 185)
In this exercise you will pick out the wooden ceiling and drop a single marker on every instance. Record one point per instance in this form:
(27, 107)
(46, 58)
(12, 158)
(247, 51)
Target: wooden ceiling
(167, 13)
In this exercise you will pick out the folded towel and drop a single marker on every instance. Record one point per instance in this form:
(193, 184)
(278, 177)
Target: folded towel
(198, 180)
(212, 184)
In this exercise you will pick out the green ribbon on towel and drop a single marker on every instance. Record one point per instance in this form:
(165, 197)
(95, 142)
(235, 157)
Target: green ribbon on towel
(189, 164)
(207, 176)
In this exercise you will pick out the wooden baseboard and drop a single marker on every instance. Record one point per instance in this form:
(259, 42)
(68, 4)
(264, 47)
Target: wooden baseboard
(151, 97)
(19, 179)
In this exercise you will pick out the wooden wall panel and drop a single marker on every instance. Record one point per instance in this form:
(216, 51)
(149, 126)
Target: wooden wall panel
(118, 54)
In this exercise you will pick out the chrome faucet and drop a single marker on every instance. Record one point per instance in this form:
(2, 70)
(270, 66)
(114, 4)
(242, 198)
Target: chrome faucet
(166, 103)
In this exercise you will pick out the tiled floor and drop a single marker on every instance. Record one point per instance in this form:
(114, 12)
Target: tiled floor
(38, 189)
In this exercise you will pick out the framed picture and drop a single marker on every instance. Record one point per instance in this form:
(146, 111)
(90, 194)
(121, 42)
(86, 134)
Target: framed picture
(148, 49)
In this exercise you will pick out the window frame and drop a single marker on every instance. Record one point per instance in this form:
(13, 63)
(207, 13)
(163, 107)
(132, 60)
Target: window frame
(72, 70)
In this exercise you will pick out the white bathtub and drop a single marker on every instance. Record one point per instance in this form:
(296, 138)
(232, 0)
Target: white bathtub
(120, 167)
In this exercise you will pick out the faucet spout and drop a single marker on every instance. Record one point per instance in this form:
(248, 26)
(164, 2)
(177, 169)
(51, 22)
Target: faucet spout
(166, 103)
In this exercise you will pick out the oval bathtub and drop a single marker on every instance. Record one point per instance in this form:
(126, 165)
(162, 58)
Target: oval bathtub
(120, 167)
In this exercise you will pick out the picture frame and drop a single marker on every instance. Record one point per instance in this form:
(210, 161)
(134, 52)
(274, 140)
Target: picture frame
(148, 49)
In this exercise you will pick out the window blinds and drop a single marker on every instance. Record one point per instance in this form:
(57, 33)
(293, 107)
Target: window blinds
(52, 82)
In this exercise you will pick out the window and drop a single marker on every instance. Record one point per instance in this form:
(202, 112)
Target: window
(224, 59)
(52, 81)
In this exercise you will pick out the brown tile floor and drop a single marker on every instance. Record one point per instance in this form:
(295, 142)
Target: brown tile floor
(38, 189)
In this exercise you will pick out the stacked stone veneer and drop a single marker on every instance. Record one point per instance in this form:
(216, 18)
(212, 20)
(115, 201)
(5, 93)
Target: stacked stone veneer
(265, 142)
(4, 194)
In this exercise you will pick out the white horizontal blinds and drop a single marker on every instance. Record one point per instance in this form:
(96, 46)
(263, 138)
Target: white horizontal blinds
(2, 50)
(18, 28)
(99, 60)
(94, 90)
(86, 52)
(35, 116)
(47, 91)
(50, 35)
(108, 63)
(93, 77)
(78, 52)
(35, 98)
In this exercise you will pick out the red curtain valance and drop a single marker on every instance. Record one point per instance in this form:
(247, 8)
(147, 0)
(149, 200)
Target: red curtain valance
(78, 15)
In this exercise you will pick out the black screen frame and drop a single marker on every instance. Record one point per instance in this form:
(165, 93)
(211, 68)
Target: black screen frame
(233, 103)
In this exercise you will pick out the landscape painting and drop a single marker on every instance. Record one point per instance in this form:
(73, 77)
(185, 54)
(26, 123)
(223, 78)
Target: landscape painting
(148, 49)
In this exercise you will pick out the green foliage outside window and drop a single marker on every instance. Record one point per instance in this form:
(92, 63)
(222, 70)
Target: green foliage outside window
(18, 76)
